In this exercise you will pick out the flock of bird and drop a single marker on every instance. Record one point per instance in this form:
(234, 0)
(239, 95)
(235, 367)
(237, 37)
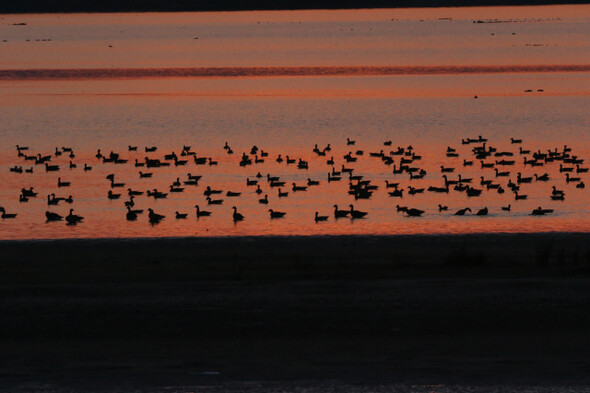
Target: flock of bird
(403, 163)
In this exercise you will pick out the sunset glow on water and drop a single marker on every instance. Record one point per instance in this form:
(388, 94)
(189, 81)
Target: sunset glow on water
(529, 73)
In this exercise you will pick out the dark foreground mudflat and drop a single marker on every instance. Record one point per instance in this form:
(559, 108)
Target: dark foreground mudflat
(359, 311)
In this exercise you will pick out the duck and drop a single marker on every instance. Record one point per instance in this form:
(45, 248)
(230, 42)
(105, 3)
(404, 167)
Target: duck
(237, 216)
(356, 213)
(202, 213)
(461, 212)
(276, 214)
(155, 218)
(51, 216)
(72, 218)
(319, 218)
(180, 216)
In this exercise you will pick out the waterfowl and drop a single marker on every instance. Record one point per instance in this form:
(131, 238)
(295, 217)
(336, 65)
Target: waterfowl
(540, 211)
(356, 213)
(467, 163)
(412, 212)
(87, 167)
(7, 215)
(446, 170)
(209, 191)
(51, 168)
(312, 182)
(330, 161)
(202, 213)
(290, 160)
(214, 201)
(298, 188)
(69, 200)
(176, 189)
(579, 169)
(565, 169)
(340, 213)
(523, 151)
(350, 142)
(513, 140)
(473, 192)
(580, 185)
(155, 218)
(150, 149)
(99, 154)
(143, 175)
(544, 177)
(21, 148)
(233, 194)
(506, 208)
(276, 214)
(391, 185)
(442, 208)
(51, 200)
(237, 216)
(180, 216)
(319, 218)
(283, 194)
(112, 196)
(396, 193)
(57, 152)
(264, 200)
(131, 148)
(501, 174)
(518, 197)
(72, 218)
(558, 197)
(482, 212)
(251, 182)
(461, 212)
(178, 162)
(30, 170)
(116, 185)
(279, 159)
(22, 198)
(258, 189)
(130, 202)
(569, 179)
(51, 216)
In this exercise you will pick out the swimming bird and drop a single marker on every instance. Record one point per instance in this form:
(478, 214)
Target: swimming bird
(541, 212)
(276, 214)
(356, 213)
(72, 218)
(412, 212)
(442, 208)
(237, 216)
(180, 216)
(482, 212)
(7, 215)
(51, 200)
(264, 200)
(51, 216)
(143, 175)
(233, 194)
(202, 213)
(569, 179)
(155, 218)
(112, 196)
(340, 213)
(214, 201)
(298, 188)
(506, 208)
(461, 212)
(319, 218)
(350, 142)
(283, 194)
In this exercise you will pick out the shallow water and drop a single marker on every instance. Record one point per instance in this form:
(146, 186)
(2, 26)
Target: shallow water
(288, 115)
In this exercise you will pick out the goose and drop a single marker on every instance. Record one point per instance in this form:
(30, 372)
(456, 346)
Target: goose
(176, 189)
(521, 179)
(283, 194)
(356, 213)
(211, 162)
(513, 140)
(7, 215)
(298, 188)
(178, 162)
(319, 218)
(391, 185)
(461, 180)
(442, 208)
(540, 211)
(544, 177)
(131, 192)
(176, 183)
(482, 212)
(501, 174)
(312, 182)
(401, 208)
(487, 165)
(506, 208)
(139, 164)
(414, 212)
(518, 197)
(446, 170)
(29, 192)
(51, 168)
(214, 201)
(30, 170)
(72, 218)
(21, 148)
(344, 169)
(258, 189)
(72, 155)
(396, 193)
(150, 149)
(155, 218)
(276, 214)
(200, 160)
(99, 154)
(72, 165)
(340, 213)
(180, 216)
(22, 198)
(264, 200)
(279, 159)
(87, 167)
(569, 179)
(251, 182)
(226, 146)
(57, 152)
(233, 194)
(143, 175)
(467, 163)
(350, 142)
(330, 161)
(414, 191)
(258, 160)
(202, 213)
(130, 202)
(51, 216)
(565, 169)
(522, 151)
(209, 191)
(112, 196)
(51, 200)
(116, 185)
(270, 178)
(580, 185)
(237, 216)
(290, 160)
(473, 192)
(69, 200)
(560, 197)
(461, 212)
(131, 148)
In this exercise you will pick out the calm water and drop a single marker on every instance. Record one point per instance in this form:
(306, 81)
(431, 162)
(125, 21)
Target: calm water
(134, 99)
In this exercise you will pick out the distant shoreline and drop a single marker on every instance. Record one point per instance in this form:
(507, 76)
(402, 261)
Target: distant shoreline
(71, 6)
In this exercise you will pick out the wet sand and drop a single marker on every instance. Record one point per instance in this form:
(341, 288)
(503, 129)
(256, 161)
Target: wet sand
(265, 314)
